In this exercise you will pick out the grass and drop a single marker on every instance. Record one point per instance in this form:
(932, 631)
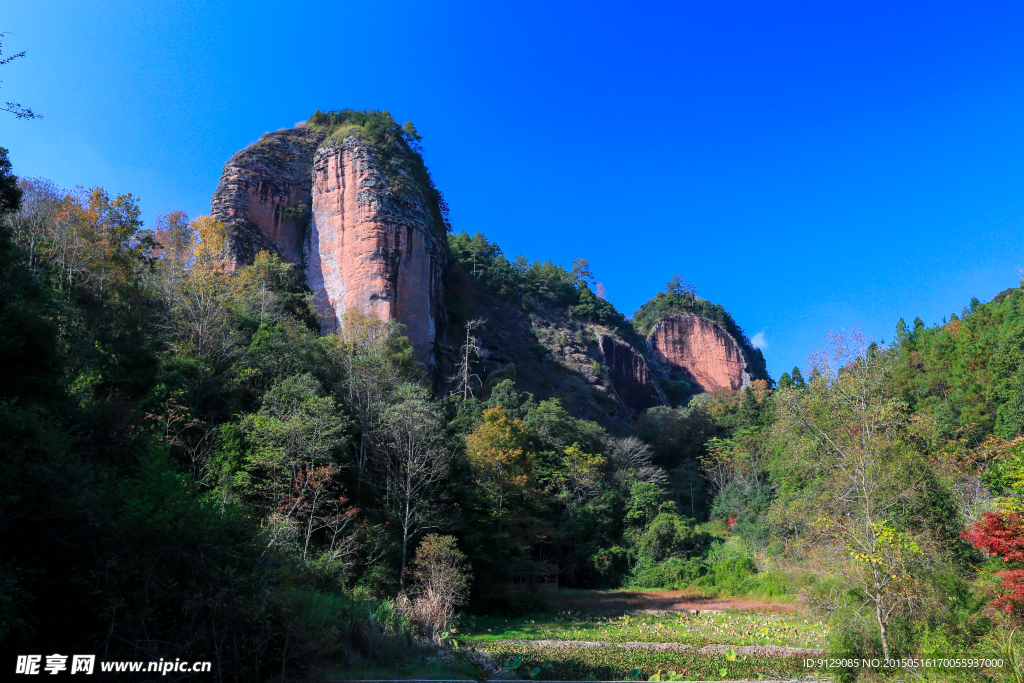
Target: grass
(420, 668)
(620, 663)
(698, 630)
(615, 617)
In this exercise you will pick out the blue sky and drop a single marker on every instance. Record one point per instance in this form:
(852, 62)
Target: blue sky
(809, 165)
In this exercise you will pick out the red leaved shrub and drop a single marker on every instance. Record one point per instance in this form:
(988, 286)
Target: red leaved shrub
(1002, 534)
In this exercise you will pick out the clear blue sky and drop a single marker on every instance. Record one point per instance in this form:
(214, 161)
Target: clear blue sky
(809, 165)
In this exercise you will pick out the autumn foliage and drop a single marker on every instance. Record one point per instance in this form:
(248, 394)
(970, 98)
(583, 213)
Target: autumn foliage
(1002, 534)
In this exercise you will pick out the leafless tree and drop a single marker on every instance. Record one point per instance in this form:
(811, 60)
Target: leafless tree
(13, 107)
(34, 221)
(414, 461)
(464, 376)
(634, 460)
(361, 350)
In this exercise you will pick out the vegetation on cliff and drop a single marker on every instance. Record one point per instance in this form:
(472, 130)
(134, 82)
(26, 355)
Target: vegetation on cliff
(396, 147)
(543, 325)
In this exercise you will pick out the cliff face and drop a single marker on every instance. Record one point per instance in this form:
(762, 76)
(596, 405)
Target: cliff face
(703, 352)
(371, 247)
(630, 375)
(360, 238)
(264, 195)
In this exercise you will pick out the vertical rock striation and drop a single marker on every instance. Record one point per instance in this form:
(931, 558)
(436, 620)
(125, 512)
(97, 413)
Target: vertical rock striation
(702, 351)
(630, 375)
(360, 229)
(373, 247)
(264, 195)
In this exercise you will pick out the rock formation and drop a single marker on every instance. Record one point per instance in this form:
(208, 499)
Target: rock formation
(630, 375)
(264, 195)
(362, 237)
(701, 351)
(372, 247)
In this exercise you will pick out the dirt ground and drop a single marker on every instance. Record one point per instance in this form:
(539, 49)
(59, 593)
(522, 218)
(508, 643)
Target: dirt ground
(608, 602)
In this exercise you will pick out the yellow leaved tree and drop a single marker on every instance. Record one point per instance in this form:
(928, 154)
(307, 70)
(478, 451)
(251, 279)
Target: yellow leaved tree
(579, 478)
(503, 459)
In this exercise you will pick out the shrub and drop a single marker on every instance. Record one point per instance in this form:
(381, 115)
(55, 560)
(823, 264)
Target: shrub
(730, 575)
(440, 576)
(674, 573)
(666, 534)
(324, 623)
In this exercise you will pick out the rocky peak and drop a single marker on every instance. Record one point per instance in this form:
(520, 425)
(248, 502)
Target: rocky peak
(373, 244)
(264, 195)
(354, 209)
(703, 352)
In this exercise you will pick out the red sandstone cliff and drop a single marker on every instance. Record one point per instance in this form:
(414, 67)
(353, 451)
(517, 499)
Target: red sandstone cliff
(373, 247)
(703, 352)
(264, 195)
(361, 239)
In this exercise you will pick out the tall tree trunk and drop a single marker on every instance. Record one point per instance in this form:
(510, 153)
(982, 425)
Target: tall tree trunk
(881, 620)
(401, 573)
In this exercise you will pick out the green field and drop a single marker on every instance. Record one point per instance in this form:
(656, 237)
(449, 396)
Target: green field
(730, 628)
(573, 662)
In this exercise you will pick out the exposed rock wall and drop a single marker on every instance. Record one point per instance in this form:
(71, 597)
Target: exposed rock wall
(326, 206)
(703, 352)
(372, 248)
(630, 375)
(264, 195)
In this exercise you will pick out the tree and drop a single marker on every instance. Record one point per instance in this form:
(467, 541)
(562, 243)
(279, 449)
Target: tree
(1001, 534)
(317, 504)
(413, 137)
(441, 578)
(579, 477)
(13, 107)
(174, 236)
(580, 272)
(296, 428)
(680, 287)
(10, 193)
(259, 288)
(502, 459)
(847, 427)
(414, 462)
(35, 218)
(1008, 391)
(633, 460)
(370, 353)
(196, 290)
(750, 408)
(463, 376)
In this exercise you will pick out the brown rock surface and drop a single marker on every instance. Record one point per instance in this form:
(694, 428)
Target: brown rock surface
(264, 195)
(630, 375)
(701, 350)
(373, 248)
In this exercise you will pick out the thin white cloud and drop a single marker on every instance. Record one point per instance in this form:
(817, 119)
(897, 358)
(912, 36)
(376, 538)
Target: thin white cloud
(759, 340)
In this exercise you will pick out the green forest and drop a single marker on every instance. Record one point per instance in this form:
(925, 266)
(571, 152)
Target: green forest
(191, 470)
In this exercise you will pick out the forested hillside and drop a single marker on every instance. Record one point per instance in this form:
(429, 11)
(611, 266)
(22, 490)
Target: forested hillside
(191, 469)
